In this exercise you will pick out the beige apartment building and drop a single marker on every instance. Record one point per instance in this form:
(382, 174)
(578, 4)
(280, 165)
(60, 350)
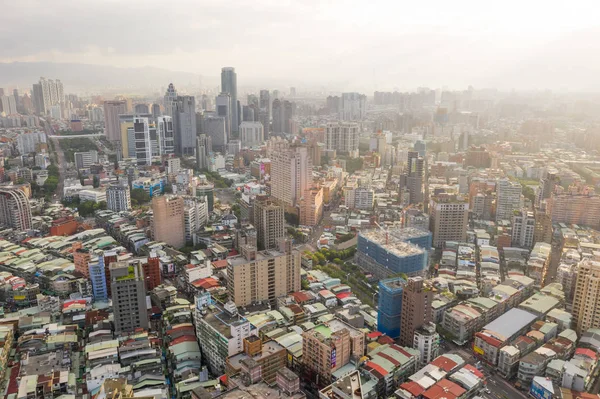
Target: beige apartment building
(291, 171)
(258, 276)
(168, 220)
(579, 206)
(586, 299)
(324, 353)
(269, 221)
(416, 309)
(329, 346)
(311, 208)
(448, 220)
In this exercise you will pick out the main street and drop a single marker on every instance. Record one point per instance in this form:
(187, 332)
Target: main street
(499, 388)
(59, 159)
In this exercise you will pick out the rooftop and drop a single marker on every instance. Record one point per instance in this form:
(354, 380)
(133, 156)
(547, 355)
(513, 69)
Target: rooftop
(391, 244)
(510, 323)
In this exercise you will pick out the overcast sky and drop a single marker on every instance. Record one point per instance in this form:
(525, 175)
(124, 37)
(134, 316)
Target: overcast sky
(363, 44)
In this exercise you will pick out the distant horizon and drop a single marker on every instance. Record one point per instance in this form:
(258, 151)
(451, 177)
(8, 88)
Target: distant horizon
(245, 84)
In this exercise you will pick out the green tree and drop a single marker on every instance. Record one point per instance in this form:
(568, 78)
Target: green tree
(321, 258)
(529, 193)
(140, 196)
(354, 164)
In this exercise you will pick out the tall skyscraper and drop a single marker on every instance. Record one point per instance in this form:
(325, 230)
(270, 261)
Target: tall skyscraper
(523, 229)
(129, 296)
(257, 276)
(184, 116)
(342, 137)
(38, 99)
(166, 134)
(586, 299)
(8, 105)
(142, 142)
(195, 215)
(278, 116)
(289, 114)
(247, 114)
(269, 221)
(169, 100)
(203, 149)
(48, 93)
(448, 220)
(508, 199)
(389, 314)
(265, 108)
(353, 107)
(291, 171)
(112, 124)
(118, 198)
(547, 186)
(225, 110)
(168, 220)
(215, 127)
(15, 211)
(229, 85)
(416, 309)
(414, 178)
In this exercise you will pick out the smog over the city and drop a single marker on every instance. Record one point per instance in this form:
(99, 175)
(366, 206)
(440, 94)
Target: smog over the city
(336, 45)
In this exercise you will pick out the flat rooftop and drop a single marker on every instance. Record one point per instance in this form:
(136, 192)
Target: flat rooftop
(260, 255)
(395, 246)
(510, 323)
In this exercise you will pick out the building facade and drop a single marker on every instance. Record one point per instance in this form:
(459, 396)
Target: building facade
(112, 124)
(260, 276)
(523, 229)
(168, 220)
(508, 199)
(269, 221)
(229, 86)
(416, 308)
(291, 172)
(252, 134)
(129, 295)
(389, 314)
(586, 298)
(449, 216)
(15, 211)
(342, 137)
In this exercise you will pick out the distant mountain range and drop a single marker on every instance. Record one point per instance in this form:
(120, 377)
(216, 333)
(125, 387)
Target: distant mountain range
(97, 78)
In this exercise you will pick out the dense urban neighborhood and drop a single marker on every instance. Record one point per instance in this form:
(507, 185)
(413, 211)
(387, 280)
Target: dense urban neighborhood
(227, 244)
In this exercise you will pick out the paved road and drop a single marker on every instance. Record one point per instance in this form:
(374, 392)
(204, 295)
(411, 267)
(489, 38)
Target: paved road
(60, 160)
(555, 255)
(499, 388)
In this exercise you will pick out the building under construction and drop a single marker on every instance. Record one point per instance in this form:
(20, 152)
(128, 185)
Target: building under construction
(388, 252)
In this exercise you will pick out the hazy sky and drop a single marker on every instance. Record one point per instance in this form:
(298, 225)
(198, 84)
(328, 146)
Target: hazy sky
(372, 44)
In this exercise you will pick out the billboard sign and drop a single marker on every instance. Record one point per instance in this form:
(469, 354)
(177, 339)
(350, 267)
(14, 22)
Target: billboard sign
(333, 357)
